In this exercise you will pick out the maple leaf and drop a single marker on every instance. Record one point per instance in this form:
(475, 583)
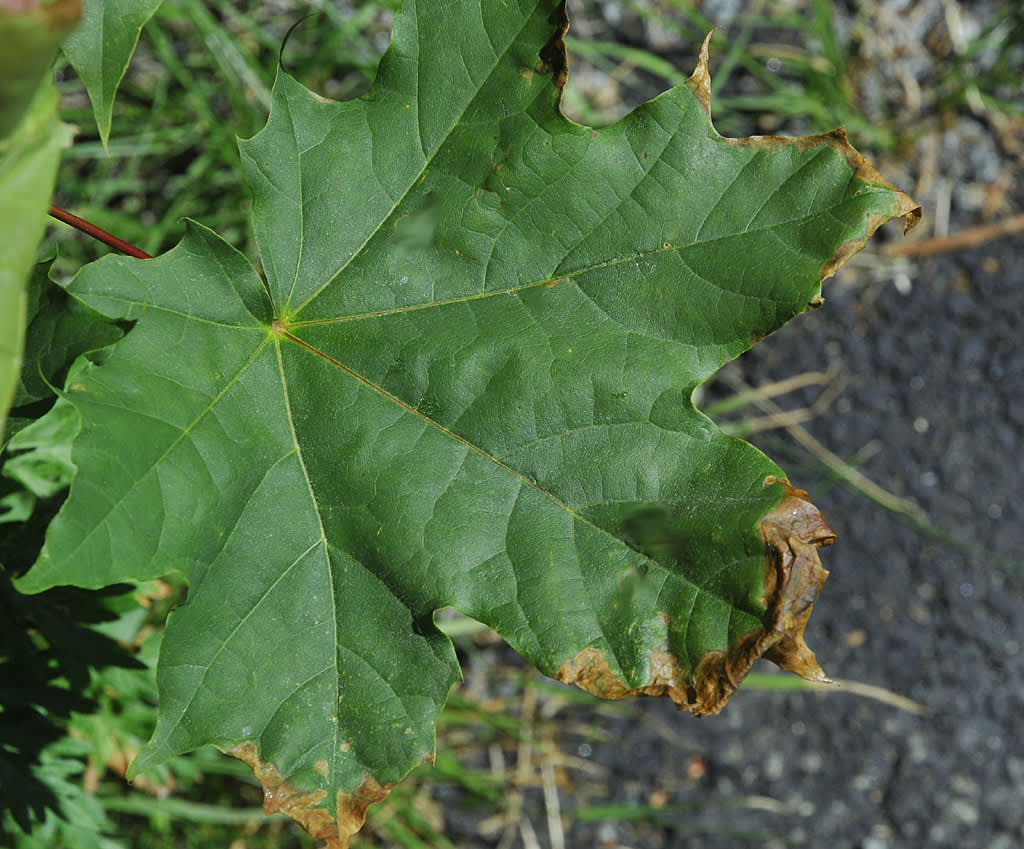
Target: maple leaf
(464, 381)
(31, 139)
(102, 46)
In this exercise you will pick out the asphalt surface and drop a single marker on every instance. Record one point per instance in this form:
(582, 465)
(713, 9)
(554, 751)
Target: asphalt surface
(929, 355)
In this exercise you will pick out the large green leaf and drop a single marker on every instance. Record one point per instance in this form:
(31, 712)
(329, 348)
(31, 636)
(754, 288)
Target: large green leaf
(101, 48)
(465, 381)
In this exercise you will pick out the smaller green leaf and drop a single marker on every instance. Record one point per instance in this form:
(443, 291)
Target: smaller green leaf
(101, 48)
(28, 168)
(44, 468)
(31, 32)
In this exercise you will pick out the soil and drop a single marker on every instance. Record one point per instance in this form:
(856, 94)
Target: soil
(926, 353)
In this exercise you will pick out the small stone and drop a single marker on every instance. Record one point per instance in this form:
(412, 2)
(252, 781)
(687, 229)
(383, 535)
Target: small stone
(964, 812)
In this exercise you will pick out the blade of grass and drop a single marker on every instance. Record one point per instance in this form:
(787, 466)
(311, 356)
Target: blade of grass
(739, 400)
(736, 49)
(447, 767)
(139, 804)
(767, 681)
(635, 56)
(233, 62)
(677, 818)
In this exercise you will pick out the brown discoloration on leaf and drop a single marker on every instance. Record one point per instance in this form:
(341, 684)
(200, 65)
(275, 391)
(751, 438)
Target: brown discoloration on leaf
(793, 531)
(352, 807)
(553, 58)
(700, 79)
(281, 796)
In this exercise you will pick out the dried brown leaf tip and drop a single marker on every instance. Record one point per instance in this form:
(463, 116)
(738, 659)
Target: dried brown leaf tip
(793, 531)
(700, 79)
(281, 796)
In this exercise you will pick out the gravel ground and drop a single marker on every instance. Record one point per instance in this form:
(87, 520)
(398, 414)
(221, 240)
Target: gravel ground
(926, 355)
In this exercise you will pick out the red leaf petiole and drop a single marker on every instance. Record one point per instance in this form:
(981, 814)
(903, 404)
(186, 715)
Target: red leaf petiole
(97, 233)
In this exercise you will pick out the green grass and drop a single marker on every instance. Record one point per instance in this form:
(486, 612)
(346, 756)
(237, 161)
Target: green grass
(764, 78)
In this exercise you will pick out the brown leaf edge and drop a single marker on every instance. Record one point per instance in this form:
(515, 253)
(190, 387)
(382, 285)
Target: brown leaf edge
(793, 531)
(862, 168)
(553, 58)
(281, 796)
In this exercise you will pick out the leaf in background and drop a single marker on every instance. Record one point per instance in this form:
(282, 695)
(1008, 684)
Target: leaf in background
(31, 139)
(71, 818)
(31, 31)
(58, 329)
(101, 48)
(44, 467)
(466, 381)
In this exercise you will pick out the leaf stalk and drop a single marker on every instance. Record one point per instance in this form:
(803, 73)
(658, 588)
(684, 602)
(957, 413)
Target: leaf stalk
(102, 235)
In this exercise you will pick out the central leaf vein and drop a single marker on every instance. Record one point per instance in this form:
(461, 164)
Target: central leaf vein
(567, 273)
(462, 440)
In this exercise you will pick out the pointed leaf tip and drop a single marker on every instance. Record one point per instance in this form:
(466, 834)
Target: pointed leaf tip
(700, 79)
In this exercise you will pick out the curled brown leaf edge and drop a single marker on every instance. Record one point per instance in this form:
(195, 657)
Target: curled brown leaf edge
(792, 532)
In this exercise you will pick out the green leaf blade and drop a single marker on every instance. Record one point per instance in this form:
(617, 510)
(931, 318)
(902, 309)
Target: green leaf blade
(101, 48)
(467, 382)
(156, 392)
